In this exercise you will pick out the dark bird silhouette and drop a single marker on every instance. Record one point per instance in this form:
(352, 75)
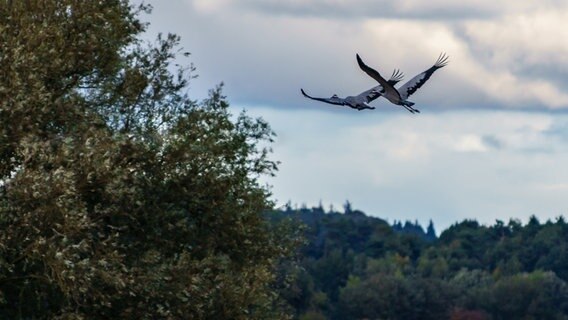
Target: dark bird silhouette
(399, 96)
(360, 101)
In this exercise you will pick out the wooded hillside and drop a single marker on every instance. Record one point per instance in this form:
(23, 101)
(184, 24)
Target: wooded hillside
(360, 267)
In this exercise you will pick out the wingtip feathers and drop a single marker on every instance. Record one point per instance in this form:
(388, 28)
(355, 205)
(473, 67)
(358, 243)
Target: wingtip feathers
(397, 75)
(442, 61)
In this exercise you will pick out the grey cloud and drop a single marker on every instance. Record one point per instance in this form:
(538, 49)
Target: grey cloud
(402, 9)
(492, 142)
(413, 9)
(554, 73)
(264, 59)
(558, 129)
(401, 157)
(526, 46)
(368, 9)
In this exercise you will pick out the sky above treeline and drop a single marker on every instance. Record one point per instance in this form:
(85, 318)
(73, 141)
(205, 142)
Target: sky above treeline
(491, 141)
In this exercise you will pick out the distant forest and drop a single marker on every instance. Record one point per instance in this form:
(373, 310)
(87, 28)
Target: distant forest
(354, 266)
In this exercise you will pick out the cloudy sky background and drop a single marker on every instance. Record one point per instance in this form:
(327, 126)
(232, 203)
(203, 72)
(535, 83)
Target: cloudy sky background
(491, 141)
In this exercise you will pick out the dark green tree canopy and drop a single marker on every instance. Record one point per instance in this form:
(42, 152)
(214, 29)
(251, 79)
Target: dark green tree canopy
(360, 267)
(120, 197)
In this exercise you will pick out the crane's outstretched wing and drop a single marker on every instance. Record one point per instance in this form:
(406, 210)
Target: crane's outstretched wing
(332, 100)
(375, 92)
(418, 81)
(370, 94)
(387, 87)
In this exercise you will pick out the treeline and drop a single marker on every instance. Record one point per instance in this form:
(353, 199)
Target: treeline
(359, 267)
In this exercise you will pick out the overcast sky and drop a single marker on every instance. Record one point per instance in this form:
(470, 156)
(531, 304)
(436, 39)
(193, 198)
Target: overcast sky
(491, 141)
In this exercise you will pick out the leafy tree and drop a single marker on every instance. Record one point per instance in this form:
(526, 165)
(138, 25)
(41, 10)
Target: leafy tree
(313, 315)
(362, 267)
(387, 296)
(432, 265)
(331, 271)
(537, 295)
(461, 314)
(472, 289)
(120, 197)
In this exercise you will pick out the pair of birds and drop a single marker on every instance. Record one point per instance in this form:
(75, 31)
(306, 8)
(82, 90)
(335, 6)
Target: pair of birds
(385, 88)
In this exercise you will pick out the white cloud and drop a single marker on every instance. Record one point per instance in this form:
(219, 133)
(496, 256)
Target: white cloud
(210, 6)
(533, 38)
(402, 166)
(414, 9)
(513, 43)
(471, 143)
(428, 38)
(264, 54)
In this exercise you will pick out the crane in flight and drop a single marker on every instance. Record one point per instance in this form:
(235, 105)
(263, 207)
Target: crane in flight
(360, 101)
(400, 96)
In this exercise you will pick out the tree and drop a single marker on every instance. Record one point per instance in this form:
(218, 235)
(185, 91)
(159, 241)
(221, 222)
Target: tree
(347, 207)
(120, 197)
(460, 314)
(537, 295)
(431, 232)
(388, 296)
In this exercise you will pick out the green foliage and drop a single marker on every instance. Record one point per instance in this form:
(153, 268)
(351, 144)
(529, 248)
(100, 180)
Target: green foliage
(537, 295)
(391, 296)
(370, 270)
(119, 196)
